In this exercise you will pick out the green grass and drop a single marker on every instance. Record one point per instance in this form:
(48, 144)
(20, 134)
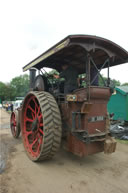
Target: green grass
(122, 141)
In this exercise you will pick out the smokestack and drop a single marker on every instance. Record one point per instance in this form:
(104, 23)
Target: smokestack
(32, 74)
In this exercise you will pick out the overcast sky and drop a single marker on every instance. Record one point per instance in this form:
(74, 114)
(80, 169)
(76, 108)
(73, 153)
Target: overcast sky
(30, 27)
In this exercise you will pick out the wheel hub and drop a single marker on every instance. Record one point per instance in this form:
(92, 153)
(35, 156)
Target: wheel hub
(35, 125)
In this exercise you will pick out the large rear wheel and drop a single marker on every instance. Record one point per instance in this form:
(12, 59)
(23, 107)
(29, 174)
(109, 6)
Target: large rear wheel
(41, 125)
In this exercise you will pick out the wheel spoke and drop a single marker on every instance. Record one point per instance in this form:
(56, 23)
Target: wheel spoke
(38, 148)
(33, 143)
(36, 106)
(29, 133)
(13, 116)
(14, 122)
(31, 108)
(41, 125)
(32, 112)
(33, 117)
(39, 117)
(29, 120)
(40, 130)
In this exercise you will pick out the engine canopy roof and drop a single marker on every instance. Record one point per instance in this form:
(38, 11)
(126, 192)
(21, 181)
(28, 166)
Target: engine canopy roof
(73, 50)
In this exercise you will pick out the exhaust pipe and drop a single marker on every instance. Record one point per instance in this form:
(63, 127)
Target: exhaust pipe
(32, 74)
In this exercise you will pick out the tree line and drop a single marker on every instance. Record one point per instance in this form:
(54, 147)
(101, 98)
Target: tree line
(17, 87)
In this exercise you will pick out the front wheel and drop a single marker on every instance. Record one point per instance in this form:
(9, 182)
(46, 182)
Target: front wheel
(14, 124)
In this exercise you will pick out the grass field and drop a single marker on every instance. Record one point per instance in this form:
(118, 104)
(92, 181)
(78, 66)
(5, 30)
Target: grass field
(122, 141)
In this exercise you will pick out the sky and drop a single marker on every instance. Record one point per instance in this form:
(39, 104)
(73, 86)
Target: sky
(30, 27)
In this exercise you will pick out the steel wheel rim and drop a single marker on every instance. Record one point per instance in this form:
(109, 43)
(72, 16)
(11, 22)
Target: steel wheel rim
(13, 124)
(33, 127)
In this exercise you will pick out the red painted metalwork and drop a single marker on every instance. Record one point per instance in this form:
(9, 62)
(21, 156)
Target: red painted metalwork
(13, 124)
(95, 128)
(33, 139)
(81, 149)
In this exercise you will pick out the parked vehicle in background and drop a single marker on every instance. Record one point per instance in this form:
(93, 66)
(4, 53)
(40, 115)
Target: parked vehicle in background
(0, 106)
(17, 104)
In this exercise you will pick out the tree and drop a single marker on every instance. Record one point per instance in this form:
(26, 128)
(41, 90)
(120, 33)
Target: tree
(19, 86)
(125, 84)
(2, 90)
(5, 91)
(115, 82)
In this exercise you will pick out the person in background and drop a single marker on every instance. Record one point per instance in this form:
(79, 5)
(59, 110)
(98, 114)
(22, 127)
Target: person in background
(11, 107)
(6, 107)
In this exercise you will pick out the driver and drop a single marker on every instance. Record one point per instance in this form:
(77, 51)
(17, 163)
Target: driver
(70, 75)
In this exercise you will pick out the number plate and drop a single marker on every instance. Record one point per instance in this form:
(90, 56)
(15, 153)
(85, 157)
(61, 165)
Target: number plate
(97, 118)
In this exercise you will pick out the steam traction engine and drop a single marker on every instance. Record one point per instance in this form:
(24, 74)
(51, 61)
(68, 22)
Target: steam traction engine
(79, 119)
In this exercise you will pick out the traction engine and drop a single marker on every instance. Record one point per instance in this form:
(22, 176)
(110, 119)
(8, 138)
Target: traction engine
(79, 120)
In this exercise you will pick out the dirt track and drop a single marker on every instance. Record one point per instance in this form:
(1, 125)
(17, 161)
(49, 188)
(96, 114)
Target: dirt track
(65, 173)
